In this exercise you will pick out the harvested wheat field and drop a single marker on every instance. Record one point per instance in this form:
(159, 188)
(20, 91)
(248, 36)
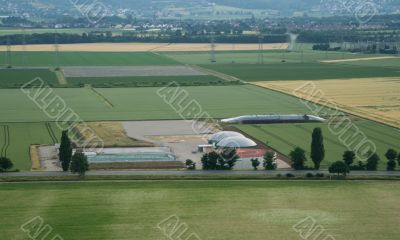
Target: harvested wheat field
(374, 98)
(143, 47)
(111, 133)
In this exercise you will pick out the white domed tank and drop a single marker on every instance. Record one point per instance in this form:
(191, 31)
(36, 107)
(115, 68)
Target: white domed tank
(236, 142)
(217, 137)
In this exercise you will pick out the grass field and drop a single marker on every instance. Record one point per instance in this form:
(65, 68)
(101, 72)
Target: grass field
(374, 98)
(15, 78)
(86, 59)
(285, 137)
(256, 210)
(302, 71)
(22, 135)
(145, 103)
(146, 81)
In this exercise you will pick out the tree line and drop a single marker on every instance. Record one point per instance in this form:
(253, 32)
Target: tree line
(65, 38)
(77, 162)
(344, 166)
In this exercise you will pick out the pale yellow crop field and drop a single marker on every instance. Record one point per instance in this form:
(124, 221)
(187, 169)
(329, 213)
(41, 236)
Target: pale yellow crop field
(143, 47)
(373, 98)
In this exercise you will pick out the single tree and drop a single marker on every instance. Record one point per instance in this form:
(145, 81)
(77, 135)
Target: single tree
(298, 157)
(269, 161)
(230, 157)
(5, 164)
(339, 167)
(391, 165)
(348, 157)
(209, 161)
(190, 165)
(372, 162)
(317, 148)
(255, 163)
(65, 153)
(79, 164)
(391, 154)
(398, 158)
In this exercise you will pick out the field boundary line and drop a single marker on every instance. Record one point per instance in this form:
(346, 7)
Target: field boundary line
(220, 75)
(340, 107)
(51, 133)
(6, 140)
(108, 102)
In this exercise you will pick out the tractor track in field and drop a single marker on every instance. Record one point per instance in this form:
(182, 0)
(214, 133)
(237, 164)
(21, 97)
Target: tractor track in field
(220, 75)
(6, 145)
(51, 133)
(98, 94)
(327, 139)
(275, 136)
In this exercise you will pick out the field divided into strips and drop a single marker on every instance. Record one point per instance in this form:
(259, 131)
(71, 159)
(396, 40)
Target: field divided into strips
(302, 71)
(234, 210)
(17, 138)
(86, 59)
(284, 137)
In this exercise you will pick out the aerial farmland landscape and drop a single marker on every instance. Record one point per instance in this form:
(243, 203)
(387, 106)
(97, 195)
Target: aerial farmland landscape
(199, 119)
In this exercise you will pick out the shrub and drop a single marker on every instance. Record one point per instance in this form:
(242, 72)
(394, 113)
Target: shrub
(5, 164)
(309, 175)
(190, 165)
(289, 175)
(319, 175)
(339, 167)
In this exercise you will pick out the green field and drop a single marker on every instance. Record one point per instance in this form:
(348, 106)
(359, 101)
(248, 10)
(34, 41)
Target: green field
(105, 82)
(21, 135)
(347, 210)
(302, 71)
(284, 137)
(269, 56)
(15, 78)
(85, 59)
(144, 103)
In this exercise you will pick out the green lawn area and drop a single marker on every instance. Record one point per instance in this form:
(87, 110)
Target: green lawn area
(146, 81)
(15, 78)
(284, 137)
(145, 103)
(86, 59)
(257, 210)
(302, 71)
(21, 136)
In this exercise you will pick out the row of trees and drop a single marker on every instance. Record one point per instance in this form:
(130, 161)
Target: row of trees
(344, 166)
(62, 38)
(76, 163)
(269, 162)
(224, 160)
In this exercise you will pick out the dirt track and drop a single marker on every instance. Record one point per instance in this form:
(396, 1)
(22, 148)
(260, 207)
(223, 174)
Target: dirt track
(143, 47)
